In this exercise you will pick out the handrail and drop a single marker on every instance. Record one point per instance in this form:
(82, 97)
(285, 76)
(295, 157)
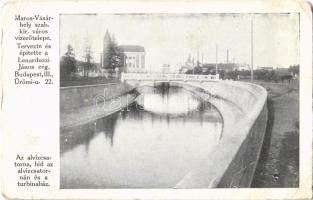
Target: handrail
(168, 77)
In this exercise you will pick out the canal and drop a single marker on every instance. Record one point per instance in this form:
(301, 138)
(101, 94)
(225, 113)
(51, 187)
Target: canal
(152, 143)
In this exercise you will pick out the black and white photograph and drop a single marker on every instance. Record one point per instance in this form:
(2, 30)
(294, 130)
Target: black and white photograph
(179, 100)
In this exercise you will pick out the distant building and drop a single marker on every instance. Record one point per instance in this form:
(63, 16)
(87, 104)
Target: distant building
(134, 58)
(243, 67)
(183, 70)
(165, 68)
(294, 69)
(266, 68)
(283, 72)
(188, 65)
(227, 67)
(81, 66)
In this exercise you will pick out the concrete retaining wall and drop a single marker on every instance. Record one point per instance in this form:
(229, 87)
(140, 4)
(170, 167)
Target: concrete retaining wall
(232, 162)
(74, 97)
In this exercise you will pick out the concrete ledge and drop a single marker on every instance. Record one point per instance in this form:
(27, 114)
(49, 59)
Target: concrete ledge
(83, 104)
(75, 97)
(91, 113)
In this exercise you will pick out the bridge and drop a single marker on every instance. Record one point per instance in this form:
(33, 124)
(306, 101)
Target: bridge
(167, 77)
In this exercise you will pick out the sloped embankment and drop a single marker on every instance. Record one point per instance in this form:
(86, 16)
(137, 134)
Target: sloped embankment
(233, 161)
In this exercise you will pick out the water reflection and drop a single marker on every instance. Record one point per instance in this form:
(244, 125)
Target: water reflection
(81, 135)
(152, 143)
(168, 100)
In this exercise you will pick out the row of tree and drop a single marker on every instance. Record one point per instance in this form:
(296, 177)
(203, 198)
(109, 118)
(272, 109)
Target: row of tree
(69, 65)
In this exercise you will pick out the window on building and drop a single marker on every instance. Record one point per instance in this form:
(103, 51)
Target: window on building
(142, 61)
(137, 61)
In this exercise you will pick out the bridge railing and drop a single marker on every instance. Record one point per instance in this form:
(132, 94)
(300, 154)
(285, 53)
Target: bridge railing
(168, 77)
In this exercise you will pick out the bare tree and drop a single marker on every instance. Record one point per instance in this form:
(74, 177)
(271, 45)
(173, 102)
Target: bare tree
(88, 57)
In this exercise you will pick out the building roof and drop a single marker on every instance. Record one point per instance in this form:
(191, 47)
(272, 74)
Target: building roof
(268, 68)
(107, 36)
(282, 71)
(131, 48)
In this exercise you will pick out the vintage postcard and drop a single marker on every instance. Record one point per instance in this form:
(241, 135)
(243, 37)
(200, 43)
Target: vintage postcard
(156, 100)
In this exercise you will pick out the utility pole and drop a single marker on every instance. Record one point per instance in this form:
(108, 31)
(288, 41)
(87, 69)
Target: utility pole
(197, 58)
(251, 50)
(227, 56)
(202, 59)
(216, 51)
(193, 65)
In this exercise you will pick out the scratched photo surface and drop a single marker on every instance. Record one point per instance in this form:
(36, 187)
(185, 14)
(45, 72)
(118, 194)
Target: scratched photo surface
(179, 100)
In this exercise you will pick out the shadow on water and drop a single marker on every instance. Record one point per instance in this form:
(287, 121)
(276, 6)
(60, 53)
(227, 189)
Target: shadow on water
(83, 134)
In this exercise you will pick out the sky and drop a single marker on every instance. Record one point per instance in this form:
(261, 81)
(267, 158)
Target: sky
(170, 38)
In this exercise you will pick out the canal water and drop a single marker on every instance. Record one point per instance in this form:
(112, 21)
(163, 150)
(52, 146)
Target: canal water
(153, 143)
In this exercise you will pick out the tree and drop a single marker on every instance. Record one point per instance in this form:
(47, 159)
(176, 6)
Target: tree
(68, 63)
(112, 57)
(87, 65)
(294, 69)
(88, 56)
(115, 56)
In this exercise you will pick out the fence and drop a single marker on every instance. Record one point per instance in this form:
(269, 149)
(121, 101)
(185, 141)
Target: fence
(168, 77)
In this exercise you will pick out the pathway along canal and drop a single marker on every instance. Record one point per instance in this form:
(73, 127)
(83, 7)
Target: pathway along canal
(152, 143)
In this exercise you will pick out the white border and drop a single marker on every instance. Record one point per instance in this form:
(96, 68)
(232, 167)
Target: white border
(57, 7)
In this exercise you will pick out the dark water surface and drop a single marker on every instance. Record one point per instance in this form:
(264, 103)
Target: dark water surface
(153, 143)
